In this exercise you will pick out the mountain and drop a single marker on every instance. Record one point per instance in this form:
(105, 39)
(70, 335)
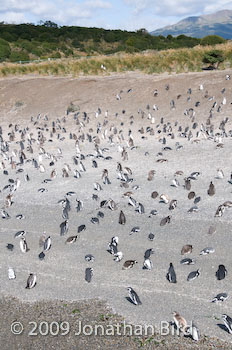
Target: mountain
(218, 23)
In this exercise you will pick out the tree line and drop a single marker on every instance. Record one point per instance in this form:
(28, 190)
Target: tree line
(23, 42)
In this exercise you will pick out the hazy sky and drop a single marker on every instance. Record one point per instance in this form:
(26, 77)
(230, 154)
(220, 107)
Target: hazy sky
(110, 14)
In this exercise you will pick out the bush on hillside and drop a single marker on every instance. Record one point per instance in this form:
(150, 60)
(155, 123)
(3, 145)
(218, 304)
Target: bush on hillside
(4, 49)
(213, 57)
(16, 56)
(212, 40)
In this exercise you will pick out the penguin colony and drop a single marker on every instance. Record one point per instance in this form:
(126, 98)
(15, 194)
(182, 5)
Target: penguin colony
(29, 151)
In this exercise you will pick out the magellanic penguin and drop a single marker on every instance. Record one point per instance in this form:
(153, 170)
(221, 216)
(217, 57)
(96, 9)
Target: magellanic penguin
(180, 321)
(134, 296)
(194, 332)
(220, 174)
(88, 274)
(171, 275)
(23, 245)
(151, 175)
(31, 281)
(71, 239)
(228, 322)
(173, 204)
(165, 220)
(220, 210)
(211, 190)
(147, 265)
(129, 264)
(64, 228)
(11, 273)
(187, 184)
(221, 272)
(207, 250)
(122, 218)
(186, 249)
(47, 244)
(219, 298)
(193, 275)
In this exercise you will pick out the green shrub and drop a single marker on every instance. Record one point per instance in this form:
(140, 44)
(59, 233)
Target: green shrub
(55, 55)
(37, 51)
(4, 49)
(8, 36)
(25, 45)
(213, 57)
(212, 40)
(16, 56)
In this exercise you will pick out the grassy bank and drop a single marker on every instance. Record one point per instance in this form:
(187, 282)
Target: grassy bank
(172, 60)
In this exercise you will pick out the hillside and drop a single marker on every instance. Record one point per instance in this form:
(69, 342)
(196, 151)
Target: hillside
(219, 23)
(25, 42)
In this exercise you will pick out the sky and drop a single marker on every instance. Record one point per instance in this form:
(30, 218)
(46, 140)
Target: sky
(108, 14)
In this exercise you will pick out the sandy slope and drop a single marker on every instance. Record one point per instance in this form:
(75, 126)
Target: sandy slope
(61, 274)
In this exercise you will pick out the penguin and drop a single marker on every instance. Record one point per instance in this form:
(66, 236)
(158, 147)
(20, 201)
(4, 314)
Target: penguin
(71, 239)
(47, 244)
(148, 253)
(207, 250)
(23, 245)
(164, 198)
(211, 190)
(173, 204)
(31, 281)
(193, 275)
(221, 272)
(151, 175)
(97, 186)
(165, 220)
(81, 228)
(187, 261)
(10, 247)
(220, 298)
(154, 194)
(11, 273)
(41, 256)
(187, 184)
(147, 265)
(175, 183)
(88, 274)
(135, 230)
(220, 174)
(180, 321)
(220, 210)
(64, 228)
(129, 264)
(194, 332)
(122, 218)
(171, 275)
(20, 234)
(100, 214)
(20, 217)
(89, 258)
(79, 206)
(134, 296)
(5, 215)
(113, 245)
(227, 322)
(186, 249)
(140, 208)
(118, 256)
(95, 220)
(151, 236)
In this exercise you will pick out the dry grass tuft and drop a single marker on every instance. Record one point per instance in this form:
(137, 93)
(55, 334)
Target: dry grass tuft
(173, 60)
